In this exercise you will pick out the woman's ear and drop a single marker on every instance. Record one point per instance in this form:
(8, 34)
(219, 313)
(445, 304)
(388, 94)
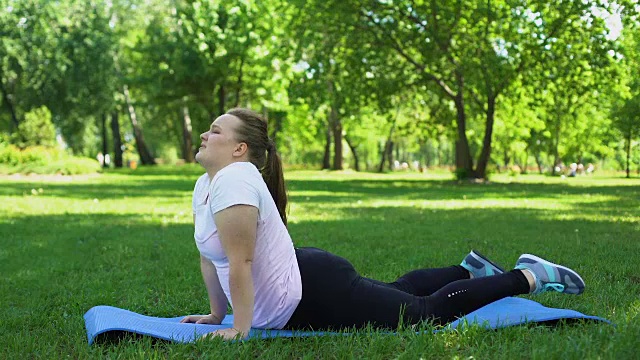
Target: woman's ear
(240, 149)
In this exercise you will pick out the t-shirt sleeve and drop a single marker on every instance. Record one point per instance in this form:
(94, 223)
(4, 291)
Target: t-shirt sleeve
(194, 195)
(198, 192)
(232, 188)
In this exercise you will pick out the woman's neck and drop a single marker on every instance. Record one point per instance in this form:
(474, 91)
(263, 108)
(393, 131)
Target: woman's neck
(213, 171)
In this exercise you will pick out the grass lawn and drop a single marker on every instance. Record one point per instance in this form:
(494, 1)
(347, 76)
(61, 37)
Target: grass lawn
(125, 239)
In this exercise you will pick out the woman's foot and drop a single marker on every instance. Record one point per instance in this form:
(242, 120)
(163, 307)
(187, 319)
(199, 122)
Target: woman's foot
(480, 266)
(548, 276)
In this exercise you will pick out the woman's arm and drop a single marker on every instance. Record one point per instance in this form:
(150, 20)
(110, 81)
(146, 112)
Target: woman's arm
(217, 298)
(237, 229)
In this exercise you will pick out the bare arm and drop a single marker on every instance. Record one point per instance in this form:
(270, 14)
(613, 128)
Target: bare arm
(237, 228)
(217, 298)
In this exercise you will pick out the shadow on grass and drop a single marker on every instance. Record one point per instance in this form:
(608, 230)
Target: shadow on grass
(327, 191)
(377, 239)
(129, 189)
(43, 241)
(161, 170)
(353, 190)
(62, 265)
(56, 267)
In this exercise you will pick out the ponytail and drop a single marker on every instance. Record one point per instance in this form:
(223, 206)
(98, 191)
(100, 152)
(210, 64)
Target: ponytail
(253, 131)
(273, 176)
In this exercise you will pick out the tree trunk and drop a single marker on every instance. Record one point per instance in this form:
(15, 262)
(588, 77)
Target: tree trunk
(386, 152)
(187, 139)
(117, 140)
(463, 153)
(336, 126)
(141, 145)
(239, 84)
(485, 154)
(326, 161)
(628, 154)
(536, 155)
(6, 101)
(383, 156)
(427, 153)
(221, 100)
(506, 159)
(105, 149)
(390, 159)
(278, 122)
(556, 142)
(354, 152)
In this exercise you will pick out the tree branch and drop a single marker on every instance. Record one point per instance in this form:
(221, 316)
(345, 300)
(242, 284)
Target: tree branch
(396, 46)
(560, 21)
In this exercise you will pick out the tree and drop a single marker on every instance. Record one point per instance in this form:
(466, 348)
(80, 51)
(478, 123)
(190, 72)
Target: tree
(344, 75)
(36, 129)
(473, 52)
(627, 121)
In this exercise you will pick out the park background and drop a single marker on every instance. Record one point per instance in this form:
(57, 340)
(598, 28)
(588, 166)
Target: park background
(493, 100)
(479, 87)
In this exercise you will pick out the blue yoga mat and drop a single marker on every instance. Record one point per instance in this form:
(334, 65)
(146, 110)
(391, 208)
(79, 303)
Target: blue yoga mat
(506, 312)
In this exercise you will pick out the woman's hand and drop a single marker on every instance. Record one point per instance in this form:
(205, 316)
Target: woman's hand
(227, 334)
(202, 319)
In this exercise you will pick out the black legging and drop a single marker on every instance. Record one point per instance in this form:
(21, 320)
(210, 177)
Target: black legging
(335, 296)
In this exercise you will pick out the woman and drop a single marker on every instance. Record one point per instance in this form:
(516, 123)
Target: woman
(247, 257)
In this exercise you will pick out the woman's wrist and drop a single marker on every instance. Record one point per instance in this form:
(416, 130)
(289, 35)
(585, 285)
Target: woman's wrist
(242, 333)
(216, 317)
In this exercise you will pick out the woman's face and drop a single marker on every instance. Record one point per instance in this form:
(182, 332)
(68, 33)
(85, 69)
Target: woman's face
(218, 145)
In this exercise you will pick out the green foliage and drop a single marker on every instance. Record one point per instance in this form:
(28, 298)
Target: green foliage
(549, 70)
(168, 155)
(43, 160)
(65, 166)
(10, 155)
(461, 174)
(36, 129)
(36, 155)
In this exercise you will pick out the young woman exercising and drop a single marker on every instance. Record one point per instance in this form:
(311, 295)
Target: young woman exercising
(247, 257)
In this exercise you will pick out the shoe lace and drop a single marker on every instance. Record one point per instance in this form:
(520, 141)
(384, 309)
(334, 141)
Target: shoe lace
(554, 286)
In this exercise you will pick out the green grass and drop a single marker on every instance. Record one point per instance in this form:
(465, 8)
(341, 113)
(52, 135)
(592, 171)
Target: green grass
(125, 239)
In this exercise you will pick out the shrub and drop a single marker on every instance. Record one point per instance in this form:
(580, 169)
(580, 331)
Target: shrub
(41, 155)
(43, 160)
(10, 155)
(5, 139)
(168, 155)
(36, 129)
(67, 166)
(462, 174)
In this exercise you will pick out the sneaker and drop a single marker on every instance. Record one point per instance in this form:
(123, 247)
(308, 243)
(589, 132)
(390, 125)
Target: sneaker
(480, 266)
(549, 276)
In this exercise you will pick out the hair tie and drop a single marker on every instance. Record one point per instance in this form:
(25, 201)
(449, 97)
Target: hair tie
(271, 146)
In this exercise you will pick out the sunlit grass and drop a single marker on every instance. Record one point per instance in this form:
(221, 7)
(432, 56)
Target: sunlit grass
(124, 238)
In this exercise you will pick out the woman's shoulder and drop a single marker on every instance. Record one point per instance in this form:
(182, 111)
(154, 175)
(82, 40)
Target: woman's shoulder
(236, 177)
(202, 180)
(202, 184)
(238, 171)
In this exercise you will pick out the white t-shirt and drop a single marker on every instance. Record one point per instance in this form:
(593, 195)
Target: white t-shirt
(276, 276)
